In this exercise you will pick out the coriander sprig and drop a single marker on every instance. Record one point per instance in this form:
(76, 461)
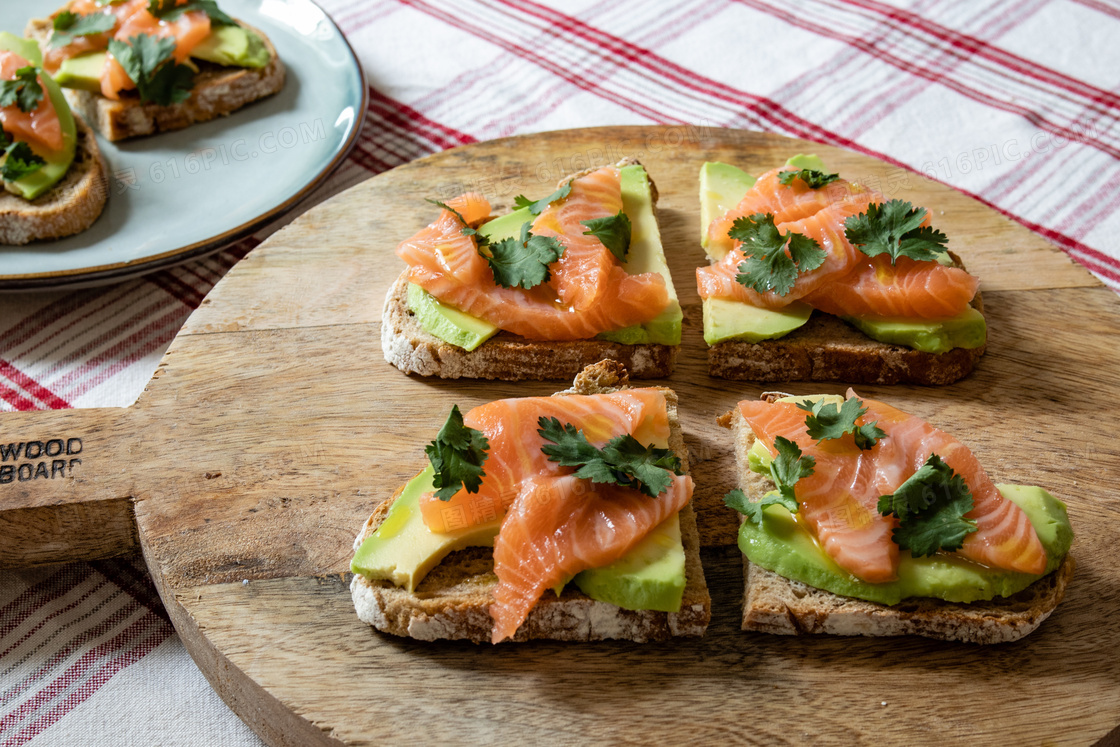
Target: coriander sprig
(622, 461)
(769, 267)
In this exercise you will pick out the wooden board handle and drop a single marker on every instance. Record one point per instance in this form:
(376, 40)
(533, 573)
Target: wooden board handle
(65, 486)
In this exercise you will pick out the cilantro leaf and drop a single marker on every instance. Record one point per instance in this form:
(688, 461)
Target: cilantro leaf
(895, 228)
(768, 266)
(827, 421)
(813, 179)
(789, 467)
(613, 230)
(538, 207)
(457, 456)
(523, 262)
(737, 500)
(19, 161)
(24, 90)
(930, 507)
(147, 61)
(167, 10)
(623, 460)
(5, 139)
(69, 26)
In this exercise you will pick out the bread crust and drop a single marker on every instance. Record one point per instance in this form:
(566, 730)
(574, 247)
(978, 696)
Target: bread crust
(409, 347)
(67, 208)
(218, 91)
(453, 600)
(826, 348)
(412, 349)
(775, 604)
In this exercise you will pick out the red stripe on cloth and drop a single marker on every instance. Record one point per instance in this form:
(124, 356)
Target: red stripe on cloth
(970, 46)
(409, 120)
(1105, 8)
(774, 113)
(935, 76)
(92, 670)
(32, 387)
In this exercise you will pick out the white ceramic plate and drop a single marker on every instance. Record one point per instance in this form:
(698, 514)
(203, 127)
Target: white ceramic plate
(184, 194)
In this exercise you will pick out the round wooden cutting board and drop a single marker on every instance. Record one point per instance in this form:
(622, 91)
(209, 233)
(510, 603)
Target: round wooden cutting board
(273, 427)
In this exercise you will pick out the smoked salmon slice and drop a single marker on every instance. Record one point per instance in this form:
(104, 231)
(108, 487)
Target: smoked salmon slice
(40, 128)
(510, 426)
(585, 296)
(586, 264)
(1005, 537)
(839, 501)
(561, 525)
(848, 283)
(908, 289)
(826, 227)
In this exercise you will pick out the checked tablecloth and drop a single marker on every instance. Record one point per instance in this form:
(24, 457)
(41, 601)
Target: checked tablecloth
(1002, 99)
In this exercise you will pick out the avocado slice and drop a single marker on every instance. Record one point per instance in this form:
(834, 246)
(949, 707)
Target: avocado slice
(28, 49)
(234, 46)
(725, 319)
(83, 71)
(781, 544)
(446, 322)
(646, 255)
(966, 330)
(57, 164)
(403, 550)
(649, 577)
(722, 187)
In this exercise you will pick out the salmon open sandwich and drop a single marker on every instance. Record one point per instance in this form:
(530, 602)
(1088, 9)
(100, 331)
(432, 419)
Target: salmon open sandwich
(861, 519)
(138, 67)
(53, 175)
(815, 278)
(541, 292)
(566, 517)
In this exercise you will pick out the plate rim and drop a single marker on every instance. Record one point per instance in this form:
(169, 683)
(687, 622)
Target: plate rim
(120, 271)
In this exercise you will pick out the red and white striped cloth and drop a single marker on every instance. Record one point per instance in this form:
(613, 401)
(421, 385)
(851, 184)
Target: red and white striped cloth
(1002, 99)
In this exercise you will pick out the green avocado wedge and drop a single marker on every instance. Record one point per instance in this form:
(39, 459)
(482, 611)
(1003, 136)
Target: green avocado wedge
(82, 72)
(233, 46)
(41, 180)
(725, 319)
(646, 255)
(783, 545)
(966, 330)
(403, 550)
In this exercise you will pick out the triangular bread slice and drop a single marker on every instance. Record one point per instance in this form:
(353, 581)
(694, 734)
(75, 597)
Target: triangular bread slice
(453, 601)
(69, 207)
(775, 604)
(412, 349)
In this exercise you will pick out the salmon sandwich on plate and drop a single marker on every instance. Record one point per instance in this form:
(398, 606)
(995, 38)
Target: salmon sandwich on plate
(138, 67)
(861, 519)
(566, 517)
(814, 278)
(54, 178)
(561, 282)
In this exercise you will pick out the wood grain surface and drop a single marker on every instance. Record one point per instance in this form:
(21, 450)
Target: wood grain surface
(273, 427)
